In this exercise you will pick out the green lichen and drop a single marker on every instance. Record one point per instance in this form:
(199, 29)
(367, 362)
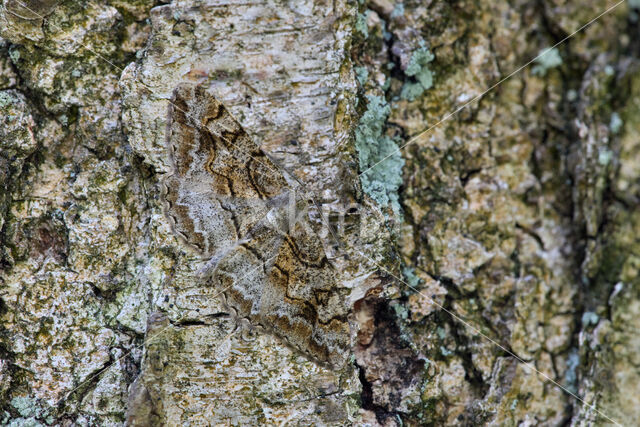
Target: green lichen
(29, 410)
(361, 74)
(609, 71)
(361, 24)
(590, 318)
(6, 99)
(401, 311)
(410, 276)
(417, 68)
(398, 10)
(26, 406)
(411, 91)
(571, 376)
(445, 352)
(380, 153)
(548, 59)
(604, 156)
(417, 64)
(24, 422)
(14, 54)
(616, 123)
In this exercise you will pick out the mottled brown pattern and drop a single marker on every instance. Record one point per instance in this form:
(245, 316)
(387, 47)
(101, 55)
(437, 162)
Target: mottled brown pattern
(229, 202)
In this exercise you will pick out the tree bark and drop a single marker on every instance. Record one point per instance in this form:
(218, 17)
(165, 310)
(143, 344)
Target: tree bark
(469, 240)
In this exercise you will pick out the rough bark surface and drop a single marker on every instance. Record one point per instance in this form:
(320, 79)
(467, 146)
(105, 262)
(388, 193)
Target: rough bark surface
(518, 215)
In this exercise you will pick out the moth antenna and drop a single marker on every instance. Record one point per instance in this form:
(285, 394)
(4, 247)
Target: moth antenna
(211, 266)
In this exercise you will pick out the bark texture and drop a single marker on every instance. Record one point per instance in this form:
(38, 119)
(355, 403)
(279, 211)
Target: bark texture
(518, 215)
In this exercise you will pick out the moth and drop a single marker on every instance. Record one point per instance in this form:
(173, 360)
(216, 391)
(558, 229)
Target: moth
(229, 202)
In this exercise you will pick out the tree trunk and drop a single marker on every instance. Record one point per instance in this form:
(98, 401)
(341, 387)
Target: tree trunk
(456, 256)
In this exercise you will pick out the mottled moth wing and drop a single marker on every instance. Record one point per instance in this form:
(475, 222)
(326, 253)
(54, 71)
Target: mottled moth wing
(225, 196)
(220, 182)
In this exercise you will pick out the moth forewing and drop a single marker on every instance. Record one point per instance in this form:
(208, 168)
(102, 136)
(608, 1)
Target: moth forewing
(226, 198)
